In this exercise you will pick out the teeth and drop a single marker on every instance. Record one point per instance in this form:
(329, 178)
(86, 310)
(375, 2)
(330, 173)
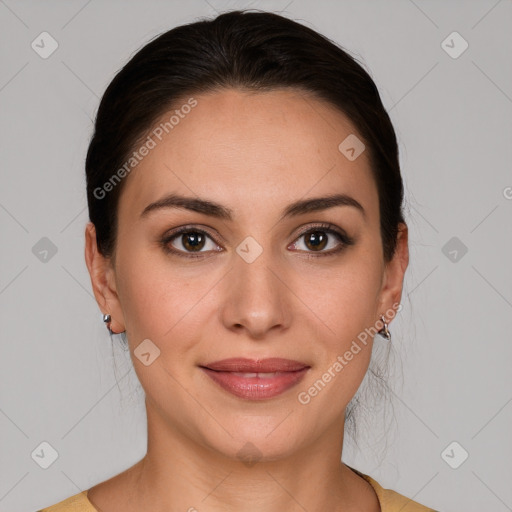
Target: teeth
(253, 375)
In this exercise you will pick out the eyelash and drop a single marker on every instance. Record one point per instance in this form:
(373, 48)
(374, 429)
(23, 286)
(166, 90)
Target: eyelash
(323, 227)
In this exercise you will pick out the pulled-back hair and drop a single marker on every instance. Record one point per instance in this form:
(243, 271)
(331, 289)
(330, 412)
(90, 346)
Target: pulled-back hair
(256, 51)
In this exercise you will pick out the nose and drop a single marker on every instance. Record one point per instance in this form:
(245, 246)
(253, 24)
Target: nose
(256, 298)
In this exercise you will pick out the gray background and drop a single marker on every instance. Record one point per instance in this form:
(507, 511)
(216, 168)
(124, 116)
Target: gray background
(60, 381)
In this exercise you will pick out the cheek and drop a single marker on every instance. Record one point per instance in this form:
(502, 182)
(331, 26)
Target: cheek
(344, 298)
(164, 300)
(344, 301)
(147, 292)
(157, 301)
(343, 348)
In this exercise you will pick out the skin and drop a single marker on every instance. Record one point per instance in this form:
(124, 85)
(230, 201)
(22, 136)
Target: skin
(254, 153)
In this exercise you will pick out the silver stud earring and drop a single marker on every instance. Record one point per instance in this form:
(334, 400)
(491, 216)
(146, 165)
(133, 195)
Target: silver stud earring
(108, 319)
(384, 332)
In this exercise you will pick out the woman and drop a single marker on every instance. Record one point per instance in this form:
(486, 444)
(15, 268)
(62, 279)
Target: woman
(248, 240)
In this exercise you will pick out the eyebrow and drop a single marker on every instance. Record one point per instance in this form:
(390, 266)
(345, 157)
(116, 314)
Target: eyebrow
(219, 211)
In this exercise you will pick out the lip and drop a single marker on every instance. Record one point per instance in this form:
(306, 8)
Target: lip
(241, 376)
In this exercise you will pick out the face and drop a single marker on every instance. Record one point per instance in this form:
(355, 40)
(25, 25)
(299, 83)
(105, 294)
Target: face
(252, 277)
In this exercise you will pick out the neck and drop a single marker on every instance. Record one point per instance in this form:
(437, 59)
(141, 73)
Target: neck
(180, 473)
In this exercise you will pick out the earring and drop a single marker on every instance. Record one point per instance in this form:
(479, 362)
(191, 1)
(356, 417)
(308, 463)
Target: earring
(384, 332)
(108, 319)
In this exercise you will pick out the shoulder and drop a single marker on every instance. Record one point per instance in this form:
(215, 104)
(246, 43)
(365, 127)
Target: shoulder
(391, 501)
(76, 503)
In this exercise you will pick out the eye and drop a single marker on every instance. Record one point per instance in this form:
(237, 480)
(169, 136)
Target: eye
(320, 237)
(187, 240)
(192, 242)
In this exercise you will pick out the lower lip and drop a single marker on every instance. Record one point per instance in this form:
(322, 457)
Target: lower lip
(256, 388)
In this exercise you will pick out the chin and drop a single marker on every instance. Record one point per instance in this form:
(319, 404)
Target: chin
(258, 439)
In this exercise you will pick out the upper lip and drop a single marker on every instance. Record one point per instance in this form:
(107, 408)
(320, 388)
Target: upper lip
(241, 364)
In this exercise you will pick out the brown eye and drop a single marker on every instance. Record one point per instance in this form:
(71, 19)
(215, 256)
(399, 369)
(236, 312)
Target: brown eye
(322, 237)
(186, 242)
(316, 240)
(193, 241)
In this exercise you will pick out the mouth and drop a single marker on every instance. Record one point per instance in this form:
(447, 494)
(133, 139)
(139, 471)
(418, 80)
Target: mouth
(256, 379)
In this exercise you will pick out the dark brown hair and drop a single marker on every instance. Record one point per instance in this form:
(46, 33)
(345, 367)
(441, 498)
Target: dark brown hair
(237, 49)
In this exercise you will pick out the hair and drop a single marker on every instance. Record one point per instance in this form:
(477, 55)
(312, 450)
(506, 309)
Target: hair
(251, 51)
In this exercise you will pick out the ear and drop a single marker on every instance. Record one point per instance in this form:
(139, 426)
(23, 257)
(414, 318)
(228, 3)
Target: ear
(102, 273)
(391, 291)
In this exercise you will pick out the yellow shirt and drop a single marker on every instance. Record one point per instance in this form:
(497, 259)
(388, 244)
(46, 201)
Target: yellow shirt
(390, 501)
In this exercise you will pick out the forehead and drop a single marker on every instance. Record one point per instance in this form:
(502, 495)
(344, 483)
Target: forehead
(247, 149)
